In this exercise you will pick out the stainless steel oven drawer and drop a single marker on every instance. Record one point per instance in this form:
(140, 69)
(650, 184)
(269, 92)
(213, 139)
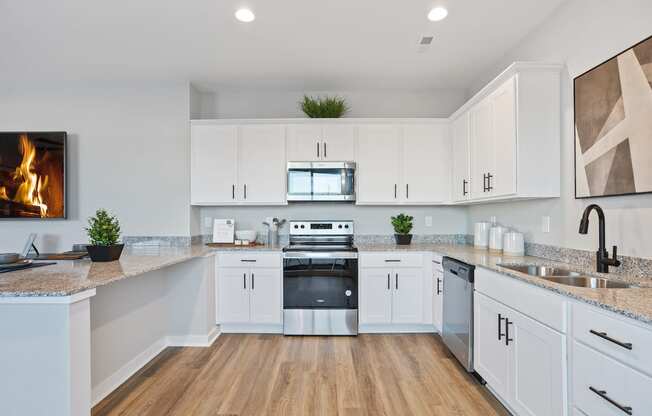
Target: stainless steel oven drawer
(320, 321)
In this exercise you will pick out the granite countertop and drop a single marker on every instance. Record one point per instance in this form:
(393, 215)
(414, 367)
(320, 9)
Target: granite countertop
(634, 303)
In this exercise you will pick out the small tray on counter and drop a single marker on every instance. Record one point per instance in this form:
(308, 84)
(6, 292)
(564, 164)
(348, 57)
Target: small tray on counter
(68, 255)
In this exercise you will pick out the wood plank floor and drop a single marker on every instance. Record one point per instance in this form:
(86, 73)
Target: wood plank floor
(277, 375)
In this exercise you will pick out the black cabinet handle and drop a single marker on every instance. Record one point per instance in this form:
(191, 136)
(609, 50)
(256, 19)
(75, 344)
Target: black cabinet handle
(464, 191)
(603, 394)
(392, 260)
(395, 190)
(407, 191)
(396, 281)
(438, 289)
(603, 335)
(489, 178)
(325, 154)
(484, 182)
(500, 322)
(244, 280)
(388, 277)
(245, 191)
(247, 261)
(507, 338)
(253, 281)
(318, 149)
(232, 191)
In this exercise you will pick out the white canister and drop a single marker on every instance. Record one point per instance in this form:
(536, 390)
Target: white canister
(513, 244)
(481, 235)
(496, 235)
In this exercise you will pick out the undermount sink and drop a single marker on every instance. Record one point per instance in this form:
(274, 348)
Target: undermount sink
(567, 277)
(590, 282)
(541, 271)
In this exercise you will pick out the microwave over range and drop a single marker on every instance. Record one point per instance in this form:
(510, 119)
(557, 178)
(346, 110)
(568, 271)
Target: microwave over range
(321, 181)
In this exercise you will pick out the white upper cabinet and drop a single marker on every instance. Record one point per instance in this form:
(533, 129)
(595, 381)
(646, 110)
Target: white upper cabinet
(514, 136)
(242, 165)
(426, 163)
(261, 167)
(407, 164)
(214, 152)
(461, 176)
(321, 142)
(378, 170)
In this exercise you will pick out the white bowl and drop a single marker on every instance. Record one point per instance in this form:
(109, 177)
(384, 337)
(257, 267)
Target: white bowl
(246, 235)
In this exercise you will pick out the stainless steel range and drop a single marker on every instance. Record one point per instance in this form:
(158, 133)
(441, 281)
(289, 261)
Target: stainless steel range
(320, 279)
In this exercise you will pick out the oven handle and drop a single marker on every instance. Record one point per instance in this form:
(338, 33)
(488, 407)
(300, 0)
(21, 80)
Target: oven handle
(320, 255)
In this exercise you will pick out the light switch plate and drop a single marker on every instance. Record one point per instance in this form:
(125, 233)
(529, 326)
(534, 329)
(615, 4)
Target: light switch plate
(428, 221)
(545, 224)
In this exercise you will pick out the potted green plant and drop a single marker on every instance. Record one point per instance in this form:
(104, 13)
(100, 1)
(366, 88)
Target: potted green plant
(104, 232)
(327, 107)
(402, 226)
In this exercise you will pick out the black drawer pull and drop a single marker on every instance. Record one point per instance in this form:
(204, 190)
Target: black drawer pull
(603, 335)
(438, 288)
(247, 261)
(603, 394)
(500, 321)
(436, 262)
(507, 338)
(392, 261)
(388, 287)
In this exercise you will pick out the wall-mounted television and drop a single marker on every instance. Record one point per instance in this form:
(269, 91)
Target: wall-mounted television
(32, 175)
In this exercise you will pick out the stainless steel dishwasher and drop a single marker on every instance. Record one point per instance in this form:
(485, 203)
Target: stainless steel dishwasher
(457, 328)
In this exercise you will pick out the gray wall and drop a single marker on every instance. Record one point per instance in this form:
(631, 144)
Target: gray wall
(581, 34)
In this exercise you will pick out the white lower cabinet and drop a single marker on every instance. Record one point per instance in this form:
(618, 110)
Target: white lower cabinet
(249, 299)
(522, 360)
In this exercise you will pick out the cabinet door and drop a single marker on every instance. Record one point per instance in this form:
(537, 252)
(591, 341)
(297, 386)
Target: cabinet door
(426, 164)
(338, 142)
(407, 305)
(375, 296)
(261, 167)
(490, 354)
(233, 295)
(378, 170)
(503, 150)
(537, 367)
(213, 164)
(437, 301)
(461, 187)
(266, 295)
(481, 147)
(304, 142)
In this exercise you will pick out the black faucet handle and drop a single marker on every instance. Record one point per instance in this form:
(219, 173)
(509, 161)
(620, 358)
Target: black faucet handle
(614, 257)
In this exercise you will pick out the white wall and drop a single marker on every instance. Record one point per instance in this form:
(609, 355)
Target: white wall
(368, 219)
(128, 152)
(378, 103)
(581, 34)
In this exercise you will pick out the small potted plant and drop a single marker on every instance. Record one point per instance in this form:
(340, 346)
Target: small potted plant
(402, 226)
(328, 107)
(104, 232)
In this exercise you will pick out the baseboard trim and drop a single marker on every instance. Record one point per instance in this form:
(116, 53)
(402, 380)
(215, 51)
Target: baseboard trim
(193, 340)
(115, 380)
(396, 329)
(109, 384)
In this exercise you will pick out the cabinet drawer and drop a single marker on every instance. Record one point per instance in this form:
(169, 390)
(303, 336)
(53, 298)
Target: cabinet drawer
(598, 379)
(391, 259)
(535, 302)
(249, 259)
(613, 336)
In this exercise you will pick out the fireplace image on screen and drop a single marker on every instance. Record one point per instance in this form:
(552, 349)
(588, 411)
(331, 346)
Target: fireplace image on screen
(32, 175)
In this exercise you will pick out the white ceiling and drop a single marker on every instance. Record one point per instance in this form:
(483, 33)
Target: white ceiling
(299, 44)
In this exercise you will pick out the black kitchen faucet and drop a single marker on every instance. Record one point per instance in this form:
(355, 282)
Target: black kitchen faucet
(602, 259)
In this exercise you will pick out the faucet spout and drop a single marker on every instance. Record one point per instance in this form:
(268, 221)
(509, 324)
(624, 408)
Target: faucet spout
(602, 256)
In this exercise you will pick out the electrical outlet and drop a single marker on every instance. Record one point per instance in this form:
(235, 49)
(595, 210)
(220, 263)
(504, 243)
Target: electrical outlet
(208, 222)
(428, 221)
(545, 224)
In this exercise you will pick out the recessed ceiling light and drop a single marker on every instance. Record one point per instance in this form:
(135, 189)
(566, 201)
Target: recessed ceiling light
(437, 14)
(245, 15)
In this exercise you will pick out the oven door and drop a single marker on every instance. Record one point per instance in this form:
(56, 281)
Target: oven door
(313, 280)
(321, 181)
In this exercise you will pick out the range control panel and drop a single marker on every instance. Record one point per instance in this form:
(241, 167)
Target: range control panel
(321, 227)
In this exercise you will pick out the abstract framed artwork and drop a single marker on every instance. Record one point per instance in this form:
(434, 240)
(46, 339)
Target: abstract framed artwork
(613, 125)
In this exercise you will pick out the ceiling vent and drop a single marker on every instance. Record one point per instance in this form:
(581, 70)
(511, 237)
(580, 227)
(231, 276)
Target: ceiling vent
(426, 40)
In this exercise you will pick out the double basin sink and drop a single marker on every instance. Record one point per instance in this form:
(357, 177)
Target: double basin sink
(567, 277)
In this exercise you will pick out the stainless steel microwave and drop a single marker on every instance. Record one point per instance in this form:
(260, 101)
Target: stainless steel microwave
(321, 181)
